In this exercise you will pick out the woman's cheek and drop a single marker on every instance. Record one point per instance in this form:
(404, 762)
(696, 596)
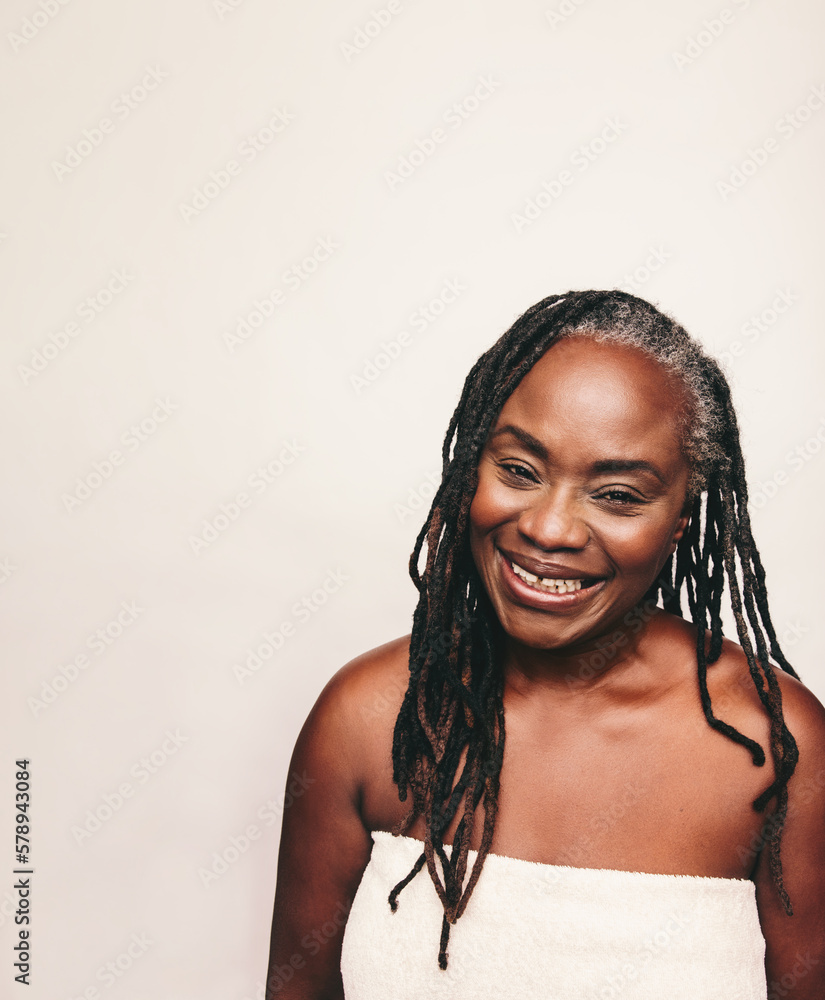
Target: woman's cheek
(492, 504)
(640, 545)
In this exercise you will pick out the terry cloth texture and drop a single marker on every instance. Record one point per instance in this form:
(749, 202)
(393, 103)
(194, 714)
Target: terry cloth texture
(550, 931)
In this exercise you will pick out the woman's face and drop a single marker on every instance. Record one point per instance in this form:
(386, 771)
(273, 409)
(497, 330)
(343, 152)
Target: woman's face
(582, 483)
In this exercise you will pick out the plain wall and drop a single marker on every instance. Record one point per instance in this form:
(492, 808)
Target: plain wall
(671, 150)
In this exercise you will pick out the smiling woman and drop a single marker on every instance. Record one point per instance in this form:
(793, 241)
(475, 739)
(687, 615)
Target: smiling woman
(623, 839)
(585, 464)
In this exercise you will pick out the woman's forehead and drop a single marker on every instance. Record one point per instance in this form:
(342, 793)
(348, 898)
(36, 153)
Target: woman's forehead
(581, 366)
(601, 388)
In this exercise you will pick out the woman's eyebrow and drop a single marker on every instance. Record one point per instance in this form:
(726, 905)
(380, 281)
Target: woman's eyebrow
(606, 465)
(628, 465)
(529, 442)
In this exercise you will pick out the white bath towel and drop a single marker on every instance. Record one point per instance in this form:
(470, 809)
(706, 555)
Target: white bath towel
(533, 930)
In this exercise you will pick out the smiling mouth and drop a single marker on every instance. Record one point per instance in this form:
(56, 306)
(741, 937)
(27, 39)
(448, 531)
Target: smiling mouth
(550, 585)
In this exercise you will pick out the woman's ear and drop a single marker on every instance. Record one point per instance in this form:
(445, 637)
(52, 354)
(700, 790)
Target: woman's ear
(681, 524)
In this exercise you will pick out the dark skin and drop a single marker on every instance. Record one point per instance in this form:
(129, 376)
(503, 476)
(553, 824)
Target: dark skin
(609, 761)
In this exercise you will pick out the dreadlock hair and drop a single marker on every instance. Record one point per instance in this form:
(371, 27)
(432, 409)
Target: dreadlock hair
(454, 700)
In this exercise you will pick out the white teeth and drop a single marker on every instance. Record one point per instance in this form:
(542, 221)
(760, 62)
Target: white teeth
(547, 583)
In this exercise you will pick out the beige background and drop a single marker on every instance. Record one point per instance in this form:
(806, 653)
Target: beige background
(131, 251)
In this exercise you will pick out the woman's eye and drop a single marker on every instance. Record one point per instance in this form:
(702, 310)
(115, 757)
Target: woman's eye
(620, 497)
(516, 471)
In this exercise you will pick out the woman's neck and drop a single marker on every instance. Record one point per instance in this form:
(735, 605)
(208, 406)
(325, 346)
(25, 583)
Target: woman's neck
(619, 658)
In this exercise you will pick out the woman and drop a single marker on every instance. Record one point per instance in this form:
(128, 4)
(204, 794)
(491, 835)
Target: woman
(571, 790)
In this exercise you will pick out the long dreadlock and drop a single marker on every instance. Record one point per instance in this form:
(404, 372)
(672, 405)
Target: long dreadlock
(454, 700)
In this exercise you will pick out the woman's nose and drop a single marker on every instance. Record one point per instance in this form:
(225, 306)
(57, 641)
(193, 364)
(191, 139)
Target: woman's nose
(555, 521)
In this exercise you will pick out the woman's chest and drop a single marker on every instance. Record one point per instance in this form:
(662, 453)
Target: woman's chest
(630, 794)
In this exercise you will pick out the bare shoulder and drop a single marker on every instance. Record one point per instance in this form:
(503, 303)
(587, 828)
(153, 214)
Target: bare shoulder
(804, 712)
(369, 673)
(370, 687)
(805, 718)
(372, 680)
(733, 690)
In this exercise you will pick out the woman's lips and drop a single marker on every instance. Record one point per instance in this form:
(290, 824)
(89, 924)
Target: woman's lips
(524, 593)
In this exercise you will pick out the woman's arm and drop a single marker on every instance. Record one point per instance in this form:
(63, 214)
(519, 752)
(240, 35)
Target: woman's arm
(324, 848)
(795, 953)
